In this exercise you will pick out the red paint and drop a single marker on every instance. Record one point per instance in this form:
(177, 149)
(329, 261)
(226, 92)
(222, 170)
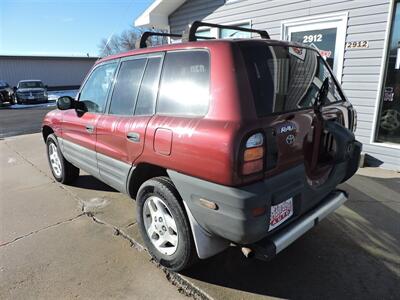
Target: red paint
(209, 147)
(163, 141)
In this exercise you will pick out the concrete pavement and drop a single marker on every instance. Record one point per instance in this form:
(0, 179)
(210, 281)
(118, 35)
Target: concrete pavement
(52, 250)
(49, 249)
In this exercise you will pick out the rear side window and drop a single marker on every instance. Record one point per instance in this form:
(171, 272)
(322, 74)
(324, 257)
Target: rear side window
(185, 83)
(284, 78)
(127, 86)
(148, 90)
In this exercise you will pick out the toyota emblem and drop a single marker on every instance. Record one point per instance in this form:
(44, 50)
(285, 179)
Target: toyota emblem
(290, 139)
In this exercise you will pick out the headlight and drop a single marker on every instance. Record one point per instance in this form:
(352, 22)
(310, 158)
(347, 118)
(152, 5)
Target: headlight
(45, 93)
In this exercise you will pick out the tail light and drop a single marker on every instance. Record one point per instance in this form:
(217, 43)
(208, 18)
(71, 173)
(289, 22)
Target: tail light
(253, 154)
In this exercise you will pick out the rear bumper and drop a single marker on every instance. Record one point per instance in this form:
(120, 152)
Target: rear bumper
(269, 247)
(233, 220)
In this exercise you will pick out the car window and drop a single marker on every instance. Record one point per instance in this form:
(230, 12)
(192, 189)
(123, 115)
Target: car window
(94, 92)
(149, 88)
(184, 87)
(30, 84)
(286, 78)
(127, 86)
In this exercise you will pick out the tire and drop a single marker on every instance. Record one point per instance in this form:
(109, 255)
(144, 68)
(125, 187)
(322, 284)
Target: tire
(174, 248)
(62, 170)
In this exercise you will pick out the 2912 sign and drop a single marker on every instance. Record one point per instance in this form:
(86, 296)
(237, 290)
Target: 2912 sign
(312, 38)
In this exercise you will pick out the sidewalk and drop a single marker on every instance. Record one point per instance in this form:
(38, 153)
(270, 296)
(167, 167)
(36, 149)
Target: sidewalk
(49, 249)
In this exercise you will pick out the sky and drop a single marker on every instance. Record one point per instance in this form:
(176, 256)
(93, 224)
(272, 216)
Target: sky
(63, 27)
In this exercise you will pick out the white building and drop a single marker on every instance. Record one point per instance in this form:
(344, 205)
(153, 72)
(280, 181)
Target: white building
(55, 71)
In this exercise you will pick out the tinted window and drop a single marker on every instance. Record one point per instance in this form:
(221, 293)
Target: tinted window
(30, 84)
(94, 92)
(184, 88)
(148, 90)
(127, 86)
(285, 78)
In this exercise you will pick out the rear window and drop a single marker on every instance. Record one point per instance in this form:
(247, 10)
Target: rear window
(185, 83)
(284, 78)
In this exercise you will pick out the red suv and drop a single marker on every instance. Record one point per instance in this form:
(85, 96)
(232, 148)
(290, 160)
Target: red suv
(237, 141)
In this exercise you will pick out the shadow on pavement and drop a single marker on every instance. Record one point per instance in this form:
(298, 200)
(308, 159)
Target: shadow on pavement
(352, 254)
(91, 183)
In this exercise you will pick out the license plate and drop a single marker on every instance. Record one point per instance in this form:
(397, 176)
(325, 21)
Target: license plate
(31, 97)
(280, 213)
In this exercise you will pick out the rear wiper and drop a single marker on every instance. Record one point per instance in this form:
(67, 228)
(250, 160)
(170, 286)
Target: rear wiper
(322, 95)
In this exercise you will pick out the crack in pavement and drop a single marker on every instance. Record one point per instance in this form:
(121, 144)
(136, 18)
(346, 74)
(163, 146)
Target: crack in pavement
(183, 285)
(41, 229)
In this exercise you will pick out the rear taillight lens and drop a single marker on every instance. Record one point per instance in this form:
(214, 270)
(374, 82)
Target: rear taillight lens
(253, 154)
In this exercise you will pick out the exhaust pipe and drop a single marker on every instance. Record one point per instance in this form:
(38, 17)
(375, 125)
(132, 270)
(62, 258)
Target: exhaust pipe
(247, 252)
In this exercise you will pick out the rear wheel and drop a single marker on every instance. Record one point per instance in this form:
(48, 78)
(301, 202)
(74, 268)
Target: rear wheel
(63, 171)
(163, 224)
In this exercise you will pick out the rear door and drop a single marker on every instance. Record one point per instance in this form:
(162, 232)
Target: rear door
(285, 83)
(78, 139)
(121, 131)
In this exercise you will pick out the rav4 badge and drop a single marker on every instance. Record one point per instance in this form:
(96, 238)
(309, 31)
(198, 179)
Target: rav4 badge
(287, 128)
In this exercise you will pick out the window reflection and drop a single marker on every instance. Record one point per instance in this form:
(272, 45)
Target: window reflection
(286, 78)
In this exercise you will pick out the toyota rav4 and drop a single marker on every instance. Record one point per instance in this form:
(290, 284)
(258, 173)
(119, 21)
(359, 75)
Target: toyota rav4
(221, 142)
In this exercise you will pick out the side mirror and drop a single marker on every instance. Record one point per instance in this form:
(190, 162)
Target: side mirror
(46, 86)
(65, 102)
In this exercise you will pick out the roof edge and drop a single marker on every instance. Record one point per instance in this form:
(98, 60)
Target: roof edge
(156, 15)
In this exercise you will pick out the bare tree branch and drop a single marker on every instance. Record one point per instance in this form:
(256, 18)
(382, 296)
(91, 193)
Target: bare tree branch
(126, 41)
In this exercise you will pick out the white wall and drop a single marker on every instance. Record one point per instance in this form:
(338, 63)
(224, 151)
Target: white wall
(52, 71)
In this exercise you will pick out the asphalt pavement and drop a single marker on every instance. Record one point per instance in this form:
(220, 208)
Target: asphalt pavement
(22, 121)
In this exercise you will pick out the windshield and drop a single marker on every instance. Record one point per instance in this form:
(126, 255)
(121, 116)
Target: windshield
(30, 84)
(3, 84)
(285, 78)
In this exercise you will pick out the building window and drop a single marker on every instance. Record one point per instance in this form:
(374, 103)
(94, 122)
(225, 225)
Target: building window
(325, 33)
(232, 33)
(388, 125)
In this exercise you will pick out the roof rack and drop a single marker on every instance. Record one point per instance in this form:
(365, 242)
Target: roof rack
(190, 33)
(142, 42)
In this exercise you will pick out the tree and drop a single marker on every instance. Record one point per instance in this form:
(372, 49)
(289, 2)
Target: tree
(126, 41)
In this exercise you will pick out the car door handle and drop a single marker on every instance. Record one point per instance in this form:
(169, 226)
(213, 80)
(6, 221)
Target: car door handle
(133, 136)
(90, 128)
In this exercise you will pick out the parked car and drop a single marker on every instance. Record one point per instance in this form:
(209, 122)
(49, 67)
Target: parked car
(31, 91)
(6, 93)
(237, 141)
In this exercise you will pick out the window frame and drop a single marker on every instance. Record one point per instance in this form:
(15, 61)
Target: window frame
(324, 21)
(145, 56)
(109, 88)
(161, 76)
(382, 76)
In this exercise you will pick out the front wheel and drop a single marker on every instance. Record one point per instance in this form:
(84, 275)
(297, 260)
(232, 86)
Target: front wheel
(164, 225)
(63, 171)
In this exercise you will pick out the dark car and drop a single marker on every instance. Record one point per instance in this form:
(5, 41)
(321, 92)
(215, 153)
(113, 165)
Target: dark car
(6, 93)
(31, 91)
(239, 141)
